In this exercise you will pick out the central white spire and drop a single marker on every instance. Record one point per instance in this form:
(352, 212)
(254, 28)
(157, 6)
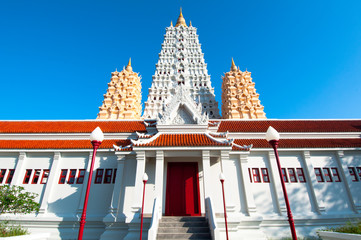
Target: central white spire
(181, 62)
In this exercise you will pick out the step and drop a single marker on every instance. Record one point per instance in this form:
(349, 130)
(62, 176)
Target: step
(184, 236)
(184, 230)
(183, 219)
(183, 224)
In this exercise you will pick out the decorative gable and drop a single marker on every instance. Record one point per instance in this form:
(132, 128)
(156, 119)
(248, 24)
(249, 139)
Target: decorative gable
(182, 109)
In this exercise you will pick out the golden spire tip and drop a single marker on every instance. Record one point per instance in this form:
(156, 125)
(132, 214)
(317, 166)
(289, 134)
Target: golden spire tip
(181, 20)
(233, 67)
(129, 66)
(171, 23)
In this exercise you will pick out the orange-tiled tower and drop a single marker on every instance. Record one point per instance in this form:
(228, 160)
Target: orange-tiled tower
(123, 97)
(239, 97)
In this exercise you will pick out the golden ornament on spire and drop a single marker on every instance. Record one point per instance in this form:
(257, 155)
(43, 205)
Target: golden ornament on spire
(190, 23)
(171, 23)
(129, 66)
(181, 20)
(233, 67)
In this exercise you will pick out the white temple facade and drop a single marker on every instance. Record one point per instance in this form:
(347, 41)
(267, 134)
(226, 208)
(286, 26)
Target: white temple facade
(183, 145)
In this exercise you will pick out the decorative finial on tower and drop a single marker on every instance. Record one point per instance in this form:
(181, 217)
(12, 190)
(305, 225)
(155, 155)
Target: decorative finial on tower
(181, 20)
(190, 23)
(233, 67)
(129, 66)
(171, 23)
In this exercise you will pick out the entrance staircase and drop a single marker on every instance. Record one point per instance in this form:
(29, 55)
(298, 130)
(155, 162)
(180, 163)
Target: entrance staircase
(183, 228)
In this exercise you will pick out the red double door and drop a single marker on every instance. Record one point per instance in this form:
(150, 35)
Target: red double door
(182, 193)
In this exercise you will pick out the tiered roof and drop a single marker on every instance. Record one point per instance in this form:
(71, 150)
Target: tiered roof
(138, 135)
(239, 97)
(123, 97)
(181, 62)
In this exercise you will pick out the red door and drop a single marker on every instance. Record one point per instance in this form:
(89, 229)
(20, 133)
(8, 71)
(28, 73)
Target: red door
(182, 197)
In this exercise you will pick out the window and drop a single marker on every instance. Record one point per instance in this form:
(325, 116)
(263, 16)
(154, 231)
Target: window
(36, 176)
(358, 170)
(44, 178)
(353, 174)
(256, 177)
(284, 175)
(114, 175)
(10, 176)
(250, 174)
(292, 174)
(2, 175)
(265, 176)
(108, 175)
(319, 176)
(27, 176)
(327, 174)
(99, 176)
(335, 175)
(72, 175)
(80, 178)
(63, 176)
(301, 175)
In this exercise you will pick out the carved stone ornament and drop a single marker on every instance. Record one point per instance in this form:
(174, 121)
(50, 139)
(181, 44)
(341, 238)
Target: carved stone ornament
(182, 109)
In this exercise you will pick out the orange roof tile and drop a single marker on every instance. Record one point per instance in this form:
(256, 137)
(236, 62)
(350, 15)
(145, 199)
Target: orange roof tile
(59, 144)
(291, 125)
(303, 143)
(178, 140)
(70, 126)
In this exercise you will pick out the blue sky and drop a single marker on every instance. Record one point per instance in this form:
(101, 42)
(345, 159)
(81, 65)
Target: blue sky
(56, 57)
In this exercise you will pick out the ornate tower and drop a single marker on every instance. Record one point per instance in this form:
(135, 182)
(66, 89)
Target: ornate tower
(123, 97)
(181, 62)
(239, 97)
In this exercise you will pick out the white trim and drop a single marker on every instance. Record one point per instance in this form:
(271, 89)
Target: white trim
(296, 135)
(63, 136)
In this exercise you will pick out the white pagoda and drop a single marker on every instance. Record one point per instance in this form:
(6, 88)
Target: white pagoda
(181, 63)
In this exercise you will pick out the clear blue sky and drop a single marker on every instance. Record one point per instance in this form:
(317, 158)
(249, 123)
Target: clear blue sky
(56, 57)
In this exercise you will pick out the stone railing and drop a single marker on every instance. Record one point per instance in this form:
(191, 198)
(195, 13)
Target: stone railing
(211, 218)
(156, 216)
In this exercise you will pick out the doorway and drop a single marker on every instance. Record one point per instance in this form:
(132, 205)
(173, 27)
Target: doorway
(182, 193)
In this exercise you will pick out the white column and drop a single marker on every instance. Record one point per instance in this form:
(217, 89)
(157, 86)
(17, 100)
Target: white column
(51, 183)
(84, 185)
(159, 175)
(19, 170)
(345, 180)
(206, 162)
(137, 195)
(311, 180)
(159, 172)
(276, 182)
(117, 191)
(224, 157)
(246, 188)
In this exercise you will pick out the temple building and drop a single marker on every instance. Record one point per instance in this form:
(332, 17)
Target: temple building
(183, 144)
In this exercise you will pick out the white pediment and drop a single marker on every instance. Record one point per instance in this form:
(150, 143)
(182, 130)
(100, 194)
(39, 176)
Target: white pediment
(182, 109)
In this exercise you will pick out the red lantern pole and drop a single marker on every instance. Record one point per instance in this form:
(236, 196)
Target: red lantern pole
(96, 145)
(221, 178)
(274, 144)
(145, 179)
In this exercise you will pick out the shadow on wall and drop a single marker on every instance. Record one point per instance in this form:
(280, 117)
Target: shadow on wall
(69, 202)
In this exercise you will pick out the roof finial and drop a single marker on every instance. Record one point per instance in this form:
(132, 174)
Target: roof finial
(233, 67)
(190, 23)
(181, 20)
(171, 23)
(129, 66)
